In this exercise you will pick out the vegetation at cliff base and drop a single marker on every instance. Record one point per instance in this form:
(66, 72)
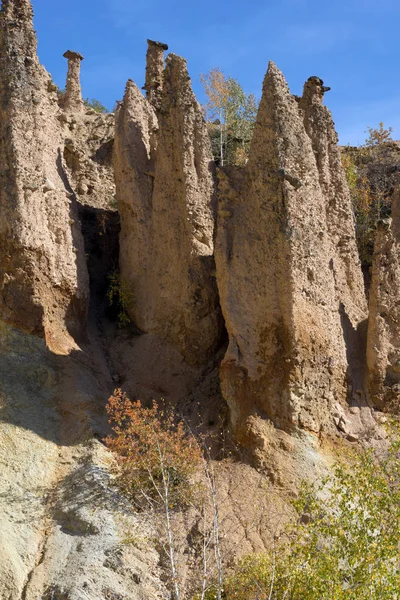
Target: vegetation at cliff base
(341, 544)
(156, 455)
(344, 544)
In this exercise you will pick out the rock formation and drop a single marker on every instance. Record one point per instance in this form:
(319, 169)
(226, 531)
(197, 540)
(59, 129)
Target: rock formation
(284, 273)
(43, 275)
(59, 533)
(154, 72)
(73, 93)
(339, 215)
(383, 348)
(165, 189)
(286, 358)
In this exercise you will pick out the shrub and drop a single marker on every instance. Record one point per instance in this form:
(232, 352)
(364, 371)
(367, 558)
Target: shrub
(157, 460)
(345, 543)
(95, 105)
(156, 455)
(120, 295)
(372, 174)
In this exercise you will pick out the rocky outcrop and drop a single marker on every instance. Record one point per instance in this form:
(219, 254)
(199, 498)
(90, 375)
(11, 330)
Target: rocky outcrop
(73, 93)
(383, 348)
(320, 128)
(288, 282)
(87, 155)
(43, 275)
(63, 528)
(88, 144)
(286, 358)
(154, 72)
(166, 196)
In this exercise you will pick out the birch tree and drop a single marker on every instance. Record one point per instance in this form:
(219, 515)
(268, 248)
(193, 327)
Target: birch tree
(231, 114)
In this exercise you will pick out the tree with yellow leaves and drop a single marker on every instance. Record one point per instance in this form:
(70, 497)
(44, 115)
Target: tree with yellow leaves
(230, 114)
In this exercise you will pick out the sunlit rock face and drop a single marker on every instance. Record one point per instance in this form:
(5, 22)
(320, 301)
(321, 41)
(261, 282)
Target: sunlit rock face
(383, 349)
(43, 276)
(276, 271)
(165, 190)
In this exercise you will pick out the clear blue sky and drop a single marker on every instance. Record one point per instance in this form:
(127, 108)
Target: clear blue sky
(352, 44)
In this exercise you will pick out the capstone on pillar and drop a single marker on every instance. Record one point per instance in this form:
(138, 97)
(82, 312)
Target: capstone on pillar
(73, 94)
(154, 72)
(314, 90)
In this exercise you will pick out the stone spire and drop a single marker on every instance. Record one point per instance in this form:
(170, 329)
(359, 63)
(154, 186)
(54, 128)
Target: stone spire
(286, 358)
(339, 214)
(383, 345)
(314, 90)
(43, 276)
(73, 92)
(167, 218)
(154, 72)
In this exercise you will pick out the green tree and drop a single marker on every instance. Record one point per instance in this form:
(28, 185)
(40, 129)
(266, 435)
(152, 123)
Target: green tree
(230, 114)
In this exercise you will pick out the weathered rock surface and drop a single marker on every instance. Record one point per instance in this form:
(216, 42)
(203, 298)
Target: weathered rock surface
(346, 267)
(383, 348)
(62, 525)
(165, 190)
(286, 359)
(73, 100)
(43, 275)
(290, 290)
(154, 72)
(88, 150)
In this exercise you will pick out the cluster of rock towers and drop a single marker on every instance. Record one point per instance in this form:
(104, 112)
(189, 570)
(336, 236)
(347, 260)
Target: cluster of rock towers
(265, 252)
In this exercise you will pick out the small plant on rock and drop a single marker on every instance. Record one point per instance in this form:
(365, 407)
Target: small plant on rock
(120, 295)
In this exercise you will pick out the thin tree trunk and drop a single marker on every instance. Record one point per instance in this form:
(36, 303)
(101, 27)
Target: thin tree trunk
(221, 138)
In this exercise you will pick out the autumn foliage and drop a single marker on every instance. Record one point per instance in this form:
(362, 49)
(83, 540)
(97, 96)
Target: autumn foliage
(230, 114)
(156, 456)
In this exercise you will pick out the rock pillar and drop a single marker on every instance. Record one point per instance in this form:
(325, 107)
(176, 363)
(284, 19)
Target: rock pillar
(286, 359)
(43, 276)
(165, 188)
(154, 72)
(346, 265)
(383, 348)
(73, 93)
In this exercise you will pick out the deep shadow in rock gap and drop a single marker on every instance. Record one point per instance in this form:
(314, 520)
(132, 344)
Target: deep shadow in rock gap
(63, 398)
(356, 347)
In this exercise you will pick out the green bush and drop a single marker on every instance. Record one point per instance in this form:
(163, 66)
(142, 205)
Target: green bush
(120, 295)
(344, 544)
(372, 175)
(95, 105)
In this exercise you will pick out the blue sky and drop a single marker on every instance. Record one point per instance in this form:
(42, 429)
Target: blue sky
(351, 44)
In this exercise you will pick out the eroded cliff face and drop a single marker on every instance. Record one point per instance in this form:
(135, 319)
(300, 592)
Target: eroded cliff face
(165, 188)
(43, 275)
(349, 285)
(269, 248)
(61, 526)
(383, 349)
(286, 358)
